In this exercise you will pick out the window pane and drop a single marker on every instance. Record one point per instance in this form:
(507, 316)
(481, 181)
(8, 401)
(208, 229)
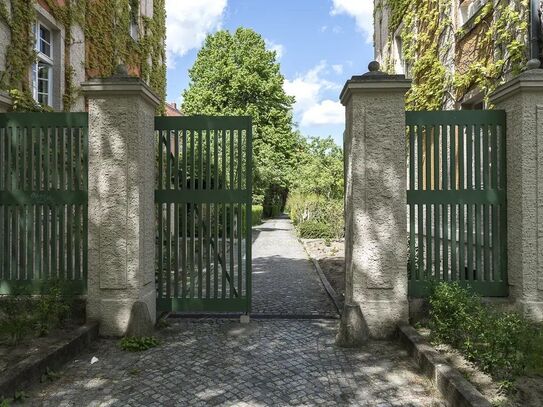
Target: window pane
(45, 41)
(44, 77)
(43, 71)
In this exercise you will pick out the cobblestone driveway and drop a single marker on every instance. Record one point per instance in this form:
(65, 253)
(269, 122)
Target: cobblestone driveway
(265, 363)
(284, 280)
(279, 362)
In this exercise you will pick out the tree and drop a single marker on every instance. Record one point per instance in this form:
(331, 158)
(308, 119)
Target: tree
(234, 74)
(320, 170)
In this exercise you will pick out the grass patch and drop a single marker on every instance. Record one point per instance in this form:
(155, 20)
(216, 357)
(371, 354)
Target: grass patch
(503, 344)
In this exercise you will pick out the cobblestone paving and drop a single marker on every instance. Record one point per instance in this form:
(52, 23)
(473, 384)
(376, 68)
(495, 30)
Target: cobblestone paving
(284, 279)
(223, 363)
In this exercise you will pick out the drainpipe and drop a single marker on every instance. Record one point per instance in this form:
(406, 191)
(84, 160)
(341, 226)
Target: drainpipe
(535, 27)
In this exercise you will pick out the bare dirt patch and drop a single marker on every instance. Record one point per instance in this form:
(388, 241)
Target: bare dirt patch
(331, 258)
(11, 355)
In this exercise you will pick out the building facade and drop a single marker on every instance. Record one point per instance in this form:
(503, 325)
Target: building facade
(49, 47)
(456, 51)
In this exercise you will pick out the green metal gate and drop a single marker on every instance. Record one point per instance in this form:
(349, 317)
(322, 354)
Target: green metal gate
(457, 200)
(43, 201)
(203, 198)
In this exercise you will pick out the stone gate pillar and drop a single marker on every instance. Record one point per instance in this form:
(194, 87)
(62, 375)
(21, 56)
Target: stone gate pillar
(375, 207)
(121, 203)
(5, 102)
(522, 99)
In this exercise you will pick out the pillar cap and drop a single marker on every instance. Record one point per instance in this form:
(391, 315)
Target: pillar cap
(530, 80)
(372, 81)
(5, 100)
(119, 85)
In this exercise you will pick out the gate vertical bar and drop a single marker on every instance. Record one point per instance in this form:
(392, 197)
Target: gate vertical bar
(248, 245)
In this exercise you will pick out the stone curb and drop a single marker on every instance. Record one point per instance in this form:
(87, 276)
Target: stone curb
(327, 286)
(454, 388)
(30, 370)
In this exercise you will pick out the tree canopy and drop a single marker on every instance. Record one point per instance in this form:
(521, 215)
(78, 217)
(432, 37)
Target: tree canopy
(320, 170)
(234, 74)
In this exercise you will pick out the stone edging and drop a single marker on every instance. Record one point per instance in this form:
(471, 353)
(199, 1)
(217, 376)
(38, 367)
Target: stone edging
(30, 370)
(327, 286)
(454, 388)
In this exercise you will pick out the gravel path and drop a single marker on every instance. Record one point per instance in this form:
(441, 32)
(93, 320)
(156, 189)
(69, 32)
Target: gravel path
(284, 279)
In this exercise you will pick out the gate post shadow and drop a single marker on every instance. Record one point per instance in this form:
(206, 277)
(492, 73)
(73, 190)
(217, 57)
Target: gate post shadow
(375, 207)
(121, 248)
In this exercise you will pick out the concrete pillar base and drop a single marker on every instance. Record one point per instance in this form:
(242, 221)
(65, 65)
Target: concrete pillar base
(353, 330)
(532, 310)
(383, 317)
(140, 324)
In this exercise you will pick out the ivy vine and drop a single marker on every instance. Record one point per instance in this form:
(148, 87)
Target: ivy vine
(427, 33)
(106, 25)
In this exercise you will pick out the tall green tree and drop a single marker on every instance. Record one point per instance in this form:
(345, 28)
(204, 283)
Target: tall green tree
(234, 74)
(320, 169)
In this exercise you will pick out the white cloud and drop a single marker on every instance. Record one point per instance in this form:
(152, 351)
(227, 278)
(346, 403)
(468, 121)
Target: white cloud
(338, 69)
(308, 89)
(361, 10)
(325, 112)
(278, 48)
(188, 22)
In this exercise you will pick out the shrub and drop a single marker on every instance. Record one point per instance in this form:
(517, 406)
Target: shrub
(51, 309)
(16, 317)
(257, 211)
(22, 315)
(315, 216)
(312, 229)
(504, 345)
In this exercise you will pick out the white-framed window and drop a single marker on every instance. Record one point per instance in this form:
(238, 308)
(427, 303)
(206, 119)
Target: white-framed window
(468, 8)
(134, 17)
(401, 65)
(42, 70)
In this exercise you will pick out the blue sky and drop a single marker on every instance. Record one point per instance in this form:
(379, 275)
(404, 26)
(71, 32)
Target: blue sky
(320, 44)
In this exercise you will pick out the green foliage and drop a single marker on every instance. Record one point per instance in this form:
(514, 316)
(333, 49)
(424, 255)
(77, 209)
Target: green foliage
(51, 309)
(135, 344)
(426, 40)
(320, 169)
(502, 47)
(106, 25)
(504, 345)
(49, 375)
(24, 102)
(256, 213)
(16, 317)
(20, 396)
(4, 403)
(315, 216)
(234, 74)
(20, 53)
(22, 314)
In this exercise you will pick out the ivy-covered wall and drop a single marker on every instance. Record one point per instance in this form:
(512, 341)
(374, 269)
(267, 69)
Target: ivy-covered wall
(106, 28)
(447, 60)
